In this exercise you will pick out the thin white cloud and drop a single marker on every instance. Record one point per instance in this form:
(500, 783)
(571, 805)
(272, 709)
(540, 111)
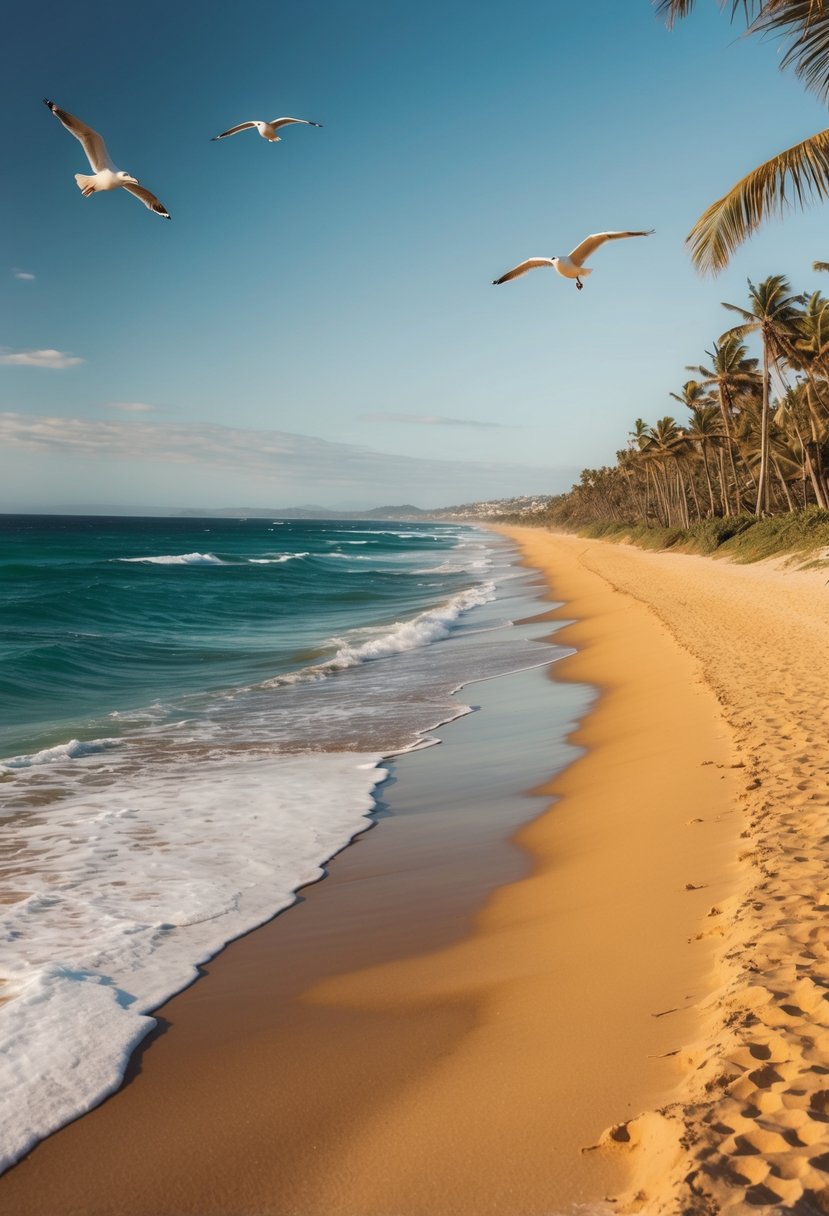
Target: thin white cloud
(25, 275)
(427, 420)
(131, 407)
(54, 359)
(290, 467)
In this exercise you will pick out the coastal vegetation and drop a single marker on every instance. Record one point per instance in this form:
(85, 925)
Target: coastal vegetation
(800, 173)
(745, 464)
(755, 435)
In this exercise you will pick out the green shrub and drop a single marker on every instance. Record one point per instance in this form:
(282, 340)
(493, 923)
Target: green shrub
(797, 532)
(740, 537)
(706, 535)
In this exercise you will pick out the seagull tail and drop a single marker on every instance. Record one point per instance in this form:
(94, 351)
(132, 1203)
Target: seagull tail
(86, 185)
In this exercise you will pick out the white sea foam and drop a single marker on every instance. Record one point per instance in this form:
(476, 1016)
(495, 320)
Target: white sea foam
(381, 642)
(402, 535)
(428, 627)
(72, 750)
(468, 557)
(275, 561)
(119, 892)
(178, 559)
(472, 566)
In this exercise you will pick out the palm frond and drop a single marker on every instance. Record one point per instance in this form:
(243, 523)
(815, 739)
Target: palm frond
(740, 331)
(803, 170)
(820, 265)
(752, 10)
(674, 10)
(735, 333)
(804, 25)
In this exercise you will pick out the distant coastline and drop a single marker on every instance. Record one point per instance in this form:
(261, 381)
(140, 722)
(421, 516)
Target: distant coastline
(522, 505)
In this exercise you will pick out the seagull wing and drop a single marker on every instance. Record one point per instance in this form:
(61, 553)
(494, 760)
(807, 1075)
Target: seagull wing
(148, 199)
(591, 243)
(522, 268)
(92, 143)
(243, 126)
(285, 122)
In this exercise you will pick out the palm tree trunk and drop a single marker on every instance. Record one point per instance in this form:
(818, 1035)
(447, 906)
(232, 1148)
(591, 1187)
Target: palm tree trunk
(763, 480)
(721, 472)
(665, 495)
(815, 451)
(693, 490)
(782, 480)
(808, 466)
(726, 421)
(812, 449)
(708, 480)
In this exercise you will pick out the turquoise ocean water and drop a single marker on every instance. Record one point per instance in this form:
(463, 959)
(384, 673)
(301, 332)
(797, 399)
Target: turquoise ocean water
(194, 715)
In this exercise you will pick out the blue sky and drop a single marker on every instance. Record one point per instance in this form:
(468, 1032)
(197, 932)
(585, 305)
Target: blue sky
(317, 323)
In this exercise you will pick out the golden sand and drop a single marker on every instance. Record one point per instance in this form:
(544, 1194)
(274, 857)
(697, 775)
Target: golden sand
(586, 974)
(748, 1129)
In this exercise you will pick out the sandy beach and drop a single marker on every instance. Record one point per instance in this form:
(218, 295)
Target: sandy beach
(748, 1126)
(643, 955)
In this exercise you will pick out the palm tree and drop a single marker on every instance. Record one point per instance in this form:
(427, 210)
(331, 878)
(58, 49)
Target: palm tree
(638, 444)
(808, 354)
(811, 353)
(694, 397)
(803, 168)
(733, 373)
(663, 446)
(771, 314)
(705, 428)
(692, 394)
(795, 415)
(629, 464)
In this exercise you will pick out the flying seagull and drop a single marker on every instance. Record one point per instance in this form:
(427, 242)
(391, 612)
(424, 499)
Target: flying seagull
(268, 130)
(572, 265)
(106, 176)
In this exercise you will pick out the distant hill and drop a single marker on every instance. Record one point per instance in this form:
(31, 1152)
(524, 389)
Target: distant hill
(406, 511)
(526, 504)
(495, 508)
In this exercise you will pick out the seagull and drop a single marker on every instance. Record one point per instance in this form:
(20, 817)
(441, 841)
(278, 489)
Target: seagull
(572, 265)
(268, 130)
(106, 176)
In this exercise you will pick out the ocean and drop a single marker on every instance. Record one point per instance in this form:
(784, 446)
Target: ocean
(194, 717)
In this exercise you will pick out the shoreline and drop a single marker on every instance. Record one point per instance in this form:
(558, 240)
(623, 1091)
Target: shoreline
(537, 999)
(431, 876)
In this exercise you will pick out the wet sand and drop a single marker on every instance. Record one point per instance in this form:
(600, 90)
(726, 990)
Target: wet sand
(444, 1023)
